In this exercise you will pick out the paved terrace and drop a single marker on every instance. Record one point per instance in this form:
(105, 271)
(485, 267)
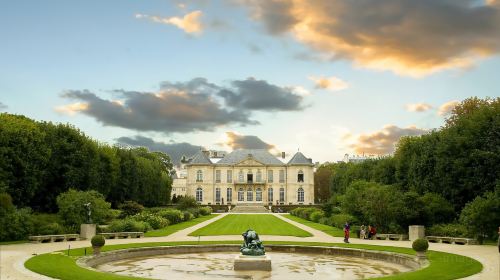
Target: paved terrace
(12, 257)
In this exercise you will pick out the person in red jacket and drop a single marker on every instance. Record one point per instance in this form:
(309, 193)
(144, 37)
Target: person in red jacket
(373, 232)
(347, 229)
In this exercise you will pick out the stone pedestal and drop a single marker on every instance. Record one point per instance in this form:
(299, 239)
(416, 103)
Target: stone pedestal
(415, 232)
(87, 231)
(262, 263)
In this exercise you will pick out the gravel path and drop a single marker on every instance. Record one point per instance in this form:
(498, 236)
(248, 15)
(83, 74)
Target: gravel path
(12, 257)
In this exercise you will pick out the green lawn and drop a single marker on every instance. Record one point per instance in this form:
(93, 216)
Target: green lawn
(263, 224)
(180, 226)
(443, 266)
(333, 231)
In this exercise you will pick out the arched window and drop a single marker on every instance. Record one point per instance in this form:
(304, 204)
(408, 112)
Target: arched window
(300, 176)
(199, 194)
(249, 194)
(240, 176)
(241, 194)
(258, 194)
(199, 176)
(270, 195)
(282, 194)
(258, 177)
(300, 195)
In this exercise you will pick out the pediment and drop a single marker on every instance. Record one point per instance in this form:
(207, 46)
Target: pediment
(249, 162)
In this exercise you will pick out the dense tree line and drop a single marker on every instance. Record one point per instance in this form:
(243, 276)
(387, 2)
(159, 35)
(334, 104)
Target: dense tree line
(447, 168)
(40, 160)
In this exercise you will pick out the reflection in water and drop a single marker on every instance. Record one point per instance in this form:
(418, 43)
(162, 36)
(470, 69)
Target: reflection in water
(219, 266)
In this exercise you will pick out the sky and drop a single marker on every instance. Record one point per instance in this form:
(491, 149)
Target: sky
(323, 77)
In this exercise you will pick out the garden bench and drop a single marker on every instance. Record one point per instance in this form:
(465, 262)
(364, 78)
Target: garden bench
(114, 235)
(451, 240)
(391, 236)
(53, 238)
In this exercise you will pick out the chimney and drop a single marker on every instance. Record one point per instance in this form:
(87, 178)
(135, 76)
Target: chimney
(283, 155)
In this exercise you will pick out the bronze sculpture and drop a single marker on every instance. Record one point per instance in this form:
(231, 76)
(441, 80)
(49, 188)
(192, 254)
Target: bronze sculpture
(252, 246)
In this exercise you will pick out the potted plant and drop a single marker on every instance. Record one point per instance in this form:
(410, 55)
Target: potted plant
(97, 242)
(420, 246)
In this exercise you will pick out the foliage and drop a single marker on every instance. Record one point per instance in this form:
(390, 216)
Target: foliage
(186, 216)
(127, 225)
(195, 211)
(154, 220)
(481, 216)
(40, 160)
(180, 226)
(316, 215)
(451, 230)
(420, 245)
(322, 178)
(173, 215)
(187, 202)
(130, 208)
(206, 210)
(17, 224)
(339, 220)
(73, 212)
(97, 241)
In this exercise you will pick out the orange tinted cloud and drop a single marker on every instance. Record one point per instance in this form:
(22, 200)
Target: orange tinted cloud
(329, 83)
(408, 37)
(447, 107)
(418, 107)
(190, 23)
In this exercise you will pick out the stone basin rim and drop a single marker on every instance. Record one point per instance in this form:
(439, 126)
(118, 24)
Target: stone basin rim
(90, 262)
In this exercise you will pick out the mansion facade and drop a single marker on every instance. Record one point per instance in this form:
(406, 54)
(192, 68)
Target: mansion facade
(246, 177)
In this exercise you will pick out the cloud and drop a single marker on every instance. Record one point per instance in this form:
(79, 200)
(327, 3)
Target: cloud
(447, 107)
(418, 107)
(237, 141)
(174, 150)
(3, 106)
(190, 23)
(331, 83)
(195, 105)
(408, 37)
(252, 94)
(166, 111)
(383, 142)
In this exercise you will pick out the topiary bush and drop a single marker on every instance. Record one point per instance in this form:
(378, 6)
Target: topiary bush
(420, 245)
(128, 224)
(154, 220)
(97, 241)
(130, 208)
(173, 215)
(205, 210)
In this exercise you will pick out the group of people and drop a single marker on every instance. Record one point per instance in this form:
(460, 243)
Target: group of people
(364, 233)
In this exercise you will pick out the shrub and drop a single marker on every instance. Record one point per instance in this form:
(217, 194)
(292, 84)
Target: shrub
(205, 210)
(195, 211)
(186, 216)
(51, 228)
(173, 215)
(451, 230)
(340, 219)
(420, 245)
(187, 202)
(128, 224)
(325, 221)
(97, 241)
(480, 216)
(73, 211)
(45, 224)
(303, 212)
(316, 215)
(130, 208)
(154, 220)
(16, 224)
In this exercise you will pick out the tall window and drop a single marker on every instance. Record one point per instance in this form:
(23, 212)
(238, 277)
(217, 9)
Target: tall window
(199, 176)
(249, 194)
(199, 194)
(258, 194)
(229, 195)
(258, 178)
(282, 176)
(229, 178)
(217, 194)
(249, 176)
(282, 194)
(300, 195)
(270, 195)
(300, 176)
(269, 176)
(217, 176)
(240, 176)
(241, 194)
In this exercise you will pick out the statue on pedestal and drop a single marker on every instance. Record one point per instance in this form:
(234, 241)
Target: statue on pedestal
(89, 212)
(252, 246)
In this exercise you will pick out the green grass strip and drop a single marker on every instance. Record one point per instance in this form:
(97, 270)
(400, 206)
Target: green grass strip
(264, 224)
(333, 231)
(442, 265)
(180, 226)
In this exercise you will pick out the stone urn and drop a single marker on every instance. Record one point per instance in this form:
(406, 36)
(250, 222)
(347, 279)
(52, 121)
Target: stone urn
(97, 242)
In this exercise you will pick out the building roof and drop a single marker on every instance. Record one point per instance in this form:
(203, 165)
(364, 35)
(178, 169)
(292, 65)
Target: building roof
(259, 155)
(200, 158)
(300, 159)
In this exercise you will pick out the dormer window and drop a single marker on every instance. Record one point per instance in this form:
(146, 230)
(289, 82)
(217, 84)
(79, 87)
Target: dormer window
(300, 176)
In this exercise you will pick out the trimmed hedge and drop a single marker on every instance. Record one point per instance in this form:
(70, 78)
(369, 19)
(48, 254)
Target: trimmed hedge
(128, 224)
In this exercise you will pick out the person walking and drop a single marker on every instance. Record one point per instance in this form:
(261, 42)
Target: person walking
(362, 232)
(347, 229)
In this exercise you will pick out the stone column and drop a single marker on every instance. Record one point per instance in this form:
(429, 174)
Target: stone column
(87, 231)
(415, 232)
